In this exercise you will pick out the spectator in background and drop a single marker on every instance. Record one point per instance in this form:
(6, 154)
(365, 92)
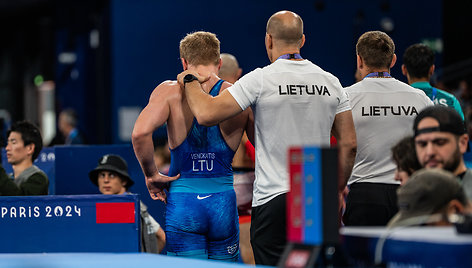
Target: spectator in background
(404, 156)
(229, 70)
(243, 167)
(24, 143)
(68, 122)
(383, 109)
(463, 92)
(430, 197)
(418, 66)
(441, 140)
(111, 176)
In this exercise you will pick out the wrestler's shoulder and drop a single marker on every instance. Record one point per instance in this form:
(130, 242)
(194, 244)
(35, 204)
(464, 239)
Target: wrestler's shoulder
(169, 86)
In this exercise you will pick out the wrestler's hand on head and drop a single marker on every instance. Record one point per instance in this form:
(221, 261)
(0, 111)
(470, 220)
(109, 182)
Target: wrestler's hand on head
(157, 184)
(201, 79)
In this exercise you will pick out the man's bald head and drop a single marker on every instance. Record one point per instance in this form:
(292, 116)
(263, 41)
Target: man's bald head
(229, 70)
(286, 26)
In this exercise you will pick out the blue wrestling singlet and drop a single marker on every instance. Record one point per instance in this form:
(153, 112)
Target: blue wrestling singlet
(201, 211)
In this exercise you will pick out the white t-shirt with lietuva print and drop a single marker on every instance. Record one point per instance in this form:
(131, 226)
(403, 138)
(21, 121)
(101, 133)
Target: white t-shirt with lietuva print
(294, 104)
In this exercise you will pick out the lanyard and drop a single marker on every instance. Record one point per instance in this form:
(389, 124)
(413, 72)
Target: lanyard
(379, 75)
(433, 93)
(290, 56)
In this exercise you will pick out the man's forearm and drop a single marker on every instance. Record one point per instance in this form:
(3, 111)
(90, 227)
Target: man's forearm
(144, 151)
(347, 156)
(345, 134)
(208, 110)
(199, 103)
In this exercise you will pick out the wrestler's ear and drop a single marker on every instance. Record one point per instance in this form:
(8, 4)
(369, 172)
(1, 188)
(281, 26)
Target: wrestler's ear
(220, 62)
(184, 64)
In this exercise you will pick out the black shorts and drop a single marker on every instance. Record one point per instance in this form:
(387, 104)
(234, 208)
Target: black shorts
(370, 204)
(268, 231)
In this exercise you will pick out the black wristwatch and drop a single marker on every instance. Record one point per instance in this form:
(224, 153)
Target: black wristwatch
(189, 78)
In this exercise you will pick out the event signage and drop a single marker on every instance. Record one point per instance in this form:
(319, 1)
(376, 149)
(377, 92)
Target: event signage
(69, 223)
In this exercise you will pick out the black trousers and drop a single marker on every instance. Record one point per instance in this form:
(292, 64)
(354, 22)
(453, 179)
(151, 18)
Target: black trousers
(268, 231)
(370, 204)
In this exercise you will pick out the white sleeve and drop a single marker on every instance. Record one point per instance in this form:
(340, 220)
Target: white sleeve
(343, 104)
(154, 226)
(247, 89)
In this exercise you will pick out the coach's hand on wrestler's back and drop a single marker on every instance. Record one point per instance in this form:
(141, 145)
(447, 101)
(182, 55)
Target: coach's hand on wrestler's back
(201, 78)
(157, 184)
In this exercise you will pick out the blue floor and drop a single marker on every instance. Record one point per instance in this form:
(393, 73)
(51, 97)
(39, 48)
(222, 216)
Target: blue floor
(115, 260)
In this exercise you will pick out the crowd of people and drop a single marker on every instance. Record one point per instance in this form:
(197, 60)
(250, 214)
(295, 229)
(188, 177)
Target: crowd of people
(400, 145)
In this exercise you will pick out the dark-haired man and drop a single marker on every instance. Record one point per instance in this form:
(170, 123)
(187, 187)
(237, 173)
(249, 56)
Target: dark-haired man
(24, 144)
(383, 109)
(441, 140)
(418, 66)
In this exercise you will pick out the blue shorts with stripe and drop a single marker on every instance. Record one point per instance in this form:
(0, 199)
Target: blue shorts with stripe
(203, 225)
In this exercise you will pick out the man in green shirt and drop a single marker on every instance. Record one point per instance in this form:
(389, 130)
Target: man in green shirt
(418, 67)
(24, 144)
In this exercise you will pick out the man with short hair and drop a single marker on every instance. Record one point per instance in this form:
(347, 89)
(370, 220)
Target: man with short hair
(111, 176)
(295, 103)
(418, 66)
(24, 144)
(430, 197)
(201, 212)
(383, 109)
(440, 141)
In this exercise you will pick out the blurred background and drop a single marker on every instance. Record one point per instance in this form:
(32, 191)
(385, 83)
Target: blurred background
(103, 58)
